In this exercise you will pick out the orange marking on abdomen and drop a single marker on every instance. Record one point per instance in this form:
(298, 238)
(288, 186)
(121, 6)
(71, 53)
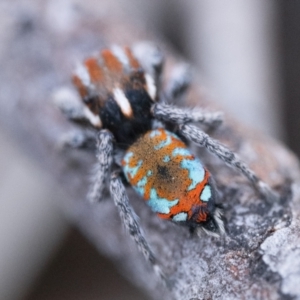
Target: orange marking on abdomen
(188, 201)
(94, 69)
(145, 149)
(111, 62)
(168, 178)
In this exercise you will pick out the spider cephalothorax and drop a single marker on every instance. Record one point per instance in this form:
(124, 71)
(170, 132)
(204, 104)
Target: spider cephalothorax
(123, 101)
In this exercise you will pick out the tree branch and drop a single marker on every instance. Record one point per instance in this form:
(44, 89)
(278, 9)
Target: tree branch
(259, 259)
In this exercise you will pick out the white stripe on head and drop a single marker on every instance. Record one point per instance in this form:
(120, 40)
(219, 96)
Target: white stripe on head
(94, 119)
(83, 74)
(151, 87)
(123, 102)
(121, 56)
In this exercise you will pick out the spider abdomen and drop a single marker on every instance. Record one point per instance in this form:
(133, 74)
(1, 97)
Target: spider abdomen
(173, 182)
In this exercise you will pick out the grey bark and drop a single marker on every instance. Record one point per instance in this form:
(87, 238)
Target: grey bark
(259, 258)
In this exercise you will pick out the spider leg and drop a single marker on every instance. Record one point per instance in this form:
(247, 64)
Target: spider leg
(129, 219)
(82, 139)
(179, 83)
(202, 139)
(151, 59)
(73, 108)
(178, 115)
(105, 159)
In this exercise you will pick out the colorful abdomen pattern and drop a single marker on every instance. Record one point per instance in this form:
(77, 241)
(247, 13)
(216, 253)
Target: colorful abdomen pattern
(173, 182)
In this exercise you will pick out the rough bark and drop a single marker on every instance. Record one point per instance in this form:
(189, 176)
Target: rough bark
(259, 258)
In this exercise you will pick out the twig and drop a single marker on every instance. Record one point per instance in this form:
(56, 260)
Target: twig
(259, 258)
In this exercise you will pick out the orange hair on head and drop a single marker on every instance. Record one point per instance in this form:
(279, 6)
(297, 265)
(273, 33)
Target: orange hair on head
(94, 69)
(111, 62)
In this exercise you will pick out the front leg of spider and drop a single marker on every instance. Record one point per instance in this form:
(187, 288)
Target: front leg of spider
(130, 222)
(79, 139)
(194, 134)
(184, 116)
(170, 113)
(178, 84)
(105, 159)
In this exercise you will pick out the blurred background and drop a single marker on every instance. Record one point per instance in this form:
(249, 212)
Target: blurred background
(248, 54)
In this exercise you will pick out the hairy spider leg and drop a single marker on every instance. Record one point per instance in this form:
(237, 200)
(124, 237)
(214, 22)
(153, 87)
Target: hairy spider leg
(130, 222)
(105, 159)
